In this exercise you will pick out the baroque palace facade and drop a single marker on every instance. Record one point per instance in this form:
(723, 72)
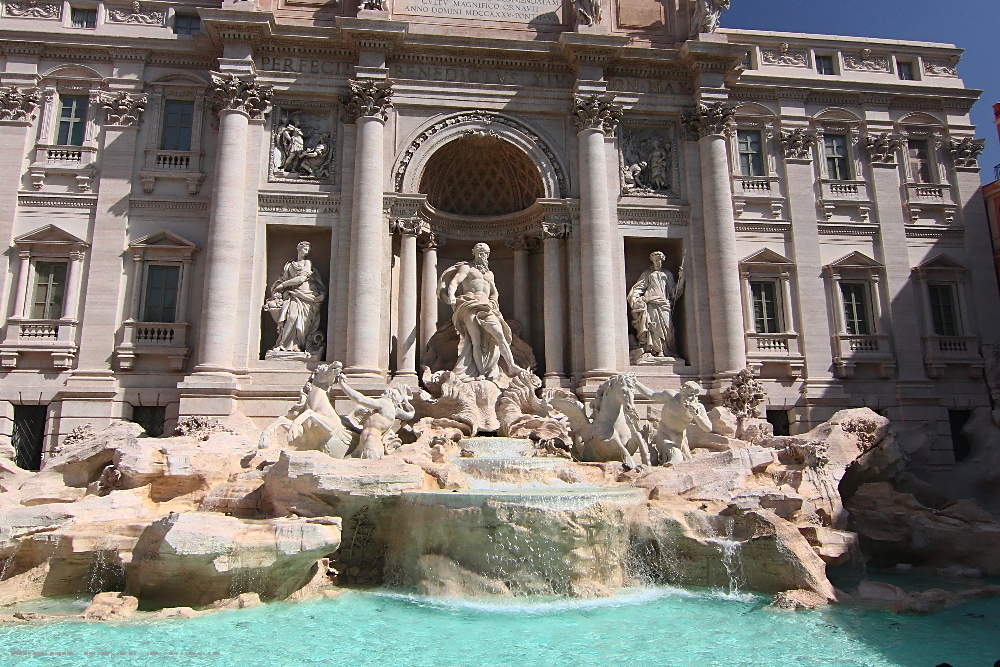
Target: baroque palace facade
(162, 163)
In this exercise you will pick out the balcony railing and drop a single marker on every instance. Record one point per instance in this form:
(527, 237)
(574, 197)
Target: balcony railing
(929, 192)
(772, 345)
(173, 160)
(164, 339)
(43, 331)
(847, 191)
(950, 346)
(861, 346)
(54, 337)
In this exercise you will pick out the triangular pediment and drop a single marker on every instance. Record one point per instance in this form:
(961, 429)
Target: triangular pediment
(942, 261)
(163, 239)
(49, 235)
(856, 260)
(767, 256)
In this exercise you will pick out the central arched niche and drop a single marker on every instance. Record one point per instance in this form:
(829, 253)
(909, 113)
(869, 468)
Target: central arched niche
(481, 175)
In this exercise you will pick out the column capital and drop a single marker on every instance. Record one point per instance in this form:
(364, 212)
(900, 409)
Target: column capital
(429, 240)
(711, 119)
(797, 144)
(368, 98)
(520, 243)
(123, 109)
(882, 148)
(596, 112)
(19, 104)
(964, 152)
(553, 230)
(409, 226)
(241, 94)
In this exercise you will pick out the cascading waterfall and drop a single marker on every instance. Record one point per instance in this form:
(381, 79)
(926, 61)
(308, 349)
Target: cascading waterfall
(731, 551)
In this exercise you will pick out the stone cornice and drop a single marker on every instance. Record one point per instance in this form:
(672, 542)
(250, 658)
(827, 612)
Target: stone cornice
(229, 25)
(719, 57)
(298, 203)
(593, 50)
(372, 34)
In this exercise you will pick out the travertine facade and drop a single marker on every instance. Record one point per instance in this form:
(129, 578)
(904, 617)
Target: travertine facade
(822, 192)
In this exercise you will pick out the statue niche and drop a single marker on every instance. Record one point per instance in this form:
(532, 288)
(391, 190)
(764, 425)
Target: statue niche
(296, 303)
(652, 302)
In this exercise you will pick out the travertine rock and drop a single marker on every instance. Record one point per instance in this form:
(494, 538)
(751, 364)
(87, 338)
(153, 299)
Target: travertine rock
(82, 462)
(111, 606)
(895, 528)
(798, 600)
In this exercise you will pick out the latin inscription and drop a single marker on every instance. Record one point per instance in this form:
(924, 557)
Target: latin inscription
(654, 86)
(304, 66)
(474, 75)
(518, 11)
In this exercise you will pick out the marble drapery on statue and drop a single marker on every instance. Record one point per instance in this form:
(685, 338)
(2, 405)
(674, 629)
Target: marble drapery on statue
(484, 336)
(651, 301)
(707, 16)
(295, 304)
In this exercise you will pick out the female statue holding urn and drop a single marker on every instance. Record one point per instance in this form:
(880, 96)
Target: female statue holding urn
(296, 299)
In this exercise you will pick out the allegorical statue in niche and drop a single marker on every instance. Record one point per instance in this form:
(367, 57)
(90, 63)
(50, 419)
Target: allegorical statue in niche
(707, 14)
(295, 304)
(651, 301)
(484, 336)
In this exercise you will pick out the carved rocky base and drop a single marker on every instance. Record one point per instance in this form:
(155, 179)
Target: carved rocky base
(471, 403)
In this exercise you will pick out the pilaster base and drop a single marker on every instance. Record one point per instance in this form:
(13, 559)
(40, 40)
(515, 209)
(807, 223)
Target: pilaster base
(209, 394)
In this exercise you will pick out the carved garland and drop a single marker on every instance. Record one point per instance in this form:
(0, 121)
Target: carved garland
(242, 94)
(554, 230)
(597, 112)
(18, 104)
(710, 119)
(136, 16)
(123, 109)
(32, 9)
(486, 117)
(368, 98)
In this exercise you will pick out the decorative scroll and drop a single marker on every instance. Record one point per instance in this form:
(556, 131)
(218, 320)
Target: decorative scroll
(368, 98)
(18, 104)
(596, 112)
(32, 9)
(243, 94)
(708, 119)
(123, 109)
(136, 16)
(866, 62)
(965, 152)
(784, 57)
(882, 148)
(798, 143)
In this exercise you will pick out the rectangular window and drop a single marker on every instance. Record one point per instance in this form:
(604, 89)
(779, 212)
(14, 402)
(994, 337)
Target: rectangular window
(824, 65)
(751, 153)
(857, 313)
(28, 435)
(72, 120)
(185, 24)
(944, 310)
(151, 418)
(50, 284)
(161, 293)
(920, 161)
(837, 167)
(177, 122)
(905, 70)
(83, 18)
(765, 307)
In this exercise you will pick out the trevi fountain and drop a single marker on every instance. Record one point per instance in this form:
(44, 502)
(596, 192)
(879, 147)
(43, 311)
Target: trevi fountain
(420, 336)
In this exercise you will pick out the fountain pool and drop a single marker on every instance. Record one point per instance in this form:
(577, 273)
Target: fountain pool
(653, 626)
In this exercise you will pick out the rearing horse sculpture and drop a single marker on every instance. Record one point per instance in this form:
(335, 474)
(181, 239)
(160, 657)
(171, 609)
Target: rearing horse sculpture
(614, 433)
(313, 423)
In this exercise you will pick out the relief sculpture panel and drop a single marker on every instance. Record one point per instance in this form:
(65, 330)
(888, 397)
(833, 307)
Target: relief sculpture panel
(302, 144)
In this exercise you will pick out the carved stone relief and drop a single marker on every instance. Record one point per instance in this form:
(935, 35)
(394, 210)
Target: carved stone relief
(32, 9)
(941, 67)
(302, 143)
(136, 15)
(646, 161)
(867, 62)
(784, 57)
(18, 104)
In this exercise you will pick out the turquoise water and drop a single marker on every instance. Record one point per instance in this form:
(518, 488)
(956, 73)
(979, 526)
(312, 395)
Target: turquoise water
(662, 626)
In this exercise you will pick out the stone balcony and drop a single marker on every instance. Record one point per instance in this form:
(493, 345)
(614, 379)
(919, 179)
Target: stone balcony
(850, 194)
(779, 348)
(178, 165)
(924, 198)
(163, 339)
(76, 161)
(851, 350)
(758, 189)
(940, 351)
(54, 337)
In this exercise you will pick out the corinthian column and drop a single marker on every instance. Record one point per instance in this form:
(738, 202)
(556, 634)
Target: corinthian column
(429, 243)
(368, 102)
(711, 123)
(596, 117)
(522, 288)
(406, 336)
(237, 100)
(552, 235)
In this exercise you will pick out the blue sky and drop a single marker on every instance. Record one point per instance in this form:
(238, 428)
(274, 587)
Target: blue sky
(970, 24)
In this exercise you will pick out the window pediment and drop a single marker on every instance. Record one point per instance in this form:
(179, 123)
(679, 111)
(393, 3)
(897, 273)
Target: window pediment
(49, 237)
(855, 260)
(766, 257)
